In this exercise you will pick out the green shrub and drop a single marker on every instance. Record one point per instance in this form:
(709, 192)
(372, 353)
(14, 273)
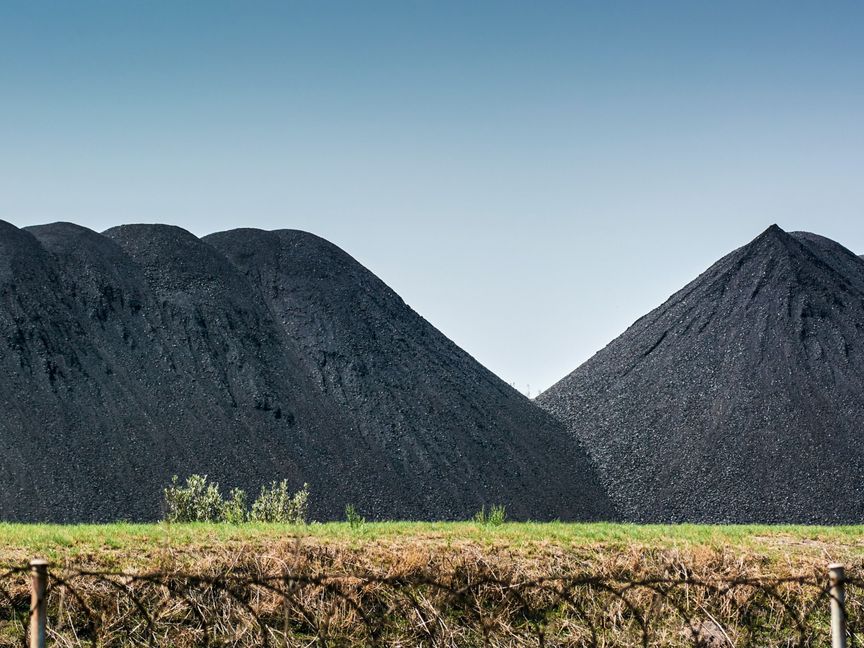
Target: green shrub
(197, 501)
(496, 516)
(234, 508)
(277, 504)
(353, 518)
(480, 516)
(200, 501)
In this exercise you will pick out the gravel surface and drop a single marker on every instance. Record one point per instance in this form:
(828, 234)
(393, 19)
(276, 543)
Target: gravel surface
(741, 399)
(142, 352)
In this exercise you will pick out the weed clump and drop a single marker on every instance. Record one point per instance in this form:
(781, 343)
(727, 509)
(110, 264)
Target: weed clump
(496, 516)
(353, 518)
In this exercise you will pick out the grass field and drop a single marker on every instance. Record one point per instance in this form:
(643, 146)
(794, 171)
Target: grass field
(385, 568)
(131, 545)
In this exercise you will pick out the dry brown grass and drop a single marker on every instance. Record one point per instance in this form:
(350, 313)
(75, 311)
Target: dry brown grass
(437, 589)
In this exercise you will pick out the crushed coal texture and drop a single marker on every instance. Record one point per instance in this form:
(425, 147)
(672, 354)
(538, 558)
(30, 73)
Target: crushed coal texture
(143, 352)
(741, 399)
(443, 432)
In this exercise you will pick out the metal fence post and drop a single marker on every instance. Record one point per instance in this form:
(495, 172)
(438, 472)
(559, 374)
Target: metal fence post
(38, 603)
(837, 579)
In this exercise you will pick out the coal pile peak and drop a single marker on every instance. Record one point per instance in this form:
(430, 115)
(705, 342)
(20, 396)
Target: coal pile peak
(740, 398)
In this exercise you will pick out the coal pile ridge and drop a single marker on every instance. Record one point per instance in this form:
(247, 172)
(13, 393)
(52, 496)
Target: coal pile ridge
(144, 351)
(740, 399)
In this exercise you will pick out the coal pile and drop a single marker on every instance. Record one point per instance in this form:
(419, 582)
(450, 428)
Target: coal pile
(144, 351)
(446, 432)
(741, 399)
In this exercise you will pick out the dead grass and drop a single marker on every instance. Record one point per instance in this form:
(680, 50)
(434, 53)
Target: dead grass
(406, 584)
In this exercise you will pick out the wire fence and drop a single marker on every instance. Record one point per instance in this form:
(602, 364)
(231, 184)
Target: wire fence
(42, 605)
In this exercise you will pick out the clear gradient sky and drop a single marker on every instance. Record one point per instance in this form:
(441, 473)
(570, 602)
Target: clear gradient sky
(531, 177)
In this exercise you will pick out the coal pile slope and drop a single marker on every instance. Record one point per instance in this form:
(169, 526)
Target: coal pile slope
(448, 432)
(741, 399)
(143, 352)
(133, 356)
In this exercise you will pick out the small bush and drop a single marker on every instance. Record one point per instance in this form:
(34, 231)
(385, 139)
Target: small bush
(234, 508)
(353, 518)
(277, 504)
(200, 501)
(480, 516)
(197, 501)
(496, 516)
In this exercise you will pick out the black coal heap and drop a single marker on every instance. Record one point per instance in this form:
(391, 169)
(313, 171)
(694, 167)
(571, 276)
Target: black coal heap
(143, 352)
(741, 399)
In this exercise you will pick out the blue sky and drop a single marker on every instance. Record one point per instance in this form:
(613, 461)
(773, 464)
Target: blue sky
(531, 177)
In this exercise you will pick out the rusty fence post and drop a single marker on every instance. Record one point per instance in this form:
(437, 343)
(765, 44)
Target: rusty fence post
(837, 580)
(38, 602)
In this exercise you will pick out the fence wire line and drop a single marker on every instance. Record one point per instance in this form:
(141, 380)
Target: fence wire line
(462, 608)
